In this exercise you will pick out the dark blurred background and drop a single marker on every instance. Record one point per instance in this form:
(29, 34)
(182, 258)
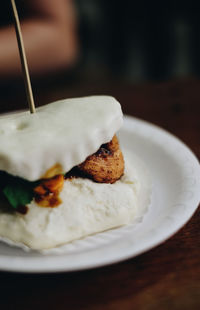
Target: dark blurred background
(140, 40)
(129, 42)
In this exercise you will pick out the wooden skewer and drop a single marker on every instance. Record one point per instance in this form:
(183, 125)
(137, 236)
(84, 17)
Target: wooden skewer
(24, 64)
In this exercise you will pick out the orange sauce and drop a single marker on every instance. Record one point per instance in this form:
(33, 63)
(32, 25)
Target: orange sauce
(46, 194)
(48, 201)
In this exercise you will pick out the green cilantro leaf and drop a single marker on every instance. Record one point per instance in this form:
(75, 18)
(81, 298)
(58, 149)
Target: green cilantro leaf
(19, 192)
(18, 195)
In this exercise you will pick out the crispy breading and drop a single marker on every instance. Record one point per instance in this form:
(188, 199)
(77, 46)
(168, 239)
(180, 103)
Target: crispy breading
(106, 165)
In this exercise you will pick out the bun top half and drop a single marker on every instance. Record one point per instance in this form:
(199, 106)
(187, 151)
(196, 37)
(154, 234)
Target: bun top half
(61, 133)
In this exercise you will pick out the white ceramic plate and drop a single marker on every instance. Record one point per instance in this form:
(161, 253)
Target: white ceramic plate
(175, 174)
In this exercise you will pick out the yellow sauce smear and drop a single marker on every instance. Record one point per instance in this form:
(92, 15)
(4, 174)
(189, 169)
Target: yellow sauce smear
(46, 194)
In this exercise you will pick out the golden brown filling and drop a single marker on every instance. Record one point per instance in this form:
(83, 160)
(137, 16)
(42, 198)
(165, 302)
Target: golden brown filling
(47, 192)
(105, 166)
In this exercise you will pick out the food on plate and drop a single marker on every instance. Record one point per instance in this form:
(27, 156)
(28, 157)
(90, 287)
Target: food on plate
(63, 174)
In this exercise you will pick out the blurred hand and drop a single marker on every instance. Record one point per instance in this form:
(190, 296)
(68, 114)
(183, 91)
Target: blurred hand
(50, 38)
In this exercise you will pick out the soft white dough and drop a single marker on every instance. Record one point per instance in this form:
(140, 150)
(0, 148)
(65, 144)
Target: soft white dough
(87, 208)
(63, 132)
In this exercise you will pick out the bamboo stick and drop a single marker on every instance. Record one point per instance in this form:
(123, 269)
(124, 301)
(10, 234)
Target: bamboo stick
(23, 59)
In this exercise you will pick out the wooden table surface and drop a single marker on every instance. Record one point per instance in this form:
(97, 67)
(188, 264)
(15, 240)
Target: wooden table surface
(166, 277)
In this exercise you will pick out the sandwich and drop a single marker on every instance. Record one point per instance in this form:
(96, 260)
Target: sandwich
(62, 173)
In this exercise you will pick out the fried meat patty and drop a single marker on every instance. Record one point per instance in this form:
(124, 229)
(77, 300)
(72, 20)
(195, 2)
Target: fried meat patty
(106, 165)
